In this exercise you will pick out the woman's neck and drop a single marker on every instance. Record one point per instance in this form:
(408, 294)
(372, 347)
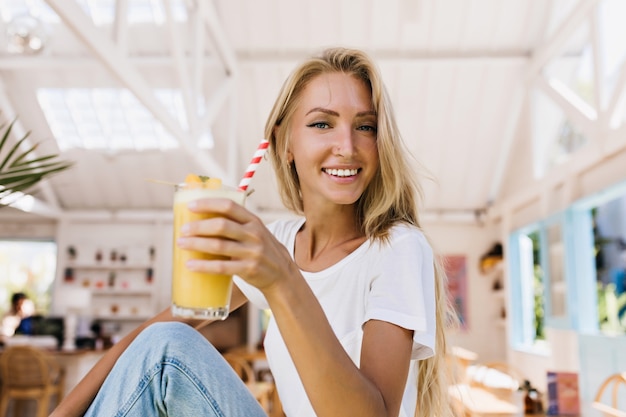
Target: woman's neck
(325, 239)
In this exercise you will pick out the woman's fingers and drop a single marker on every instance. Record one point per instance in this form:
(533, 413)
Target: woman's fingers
(212, 227)
(220, 207)
(251, 250)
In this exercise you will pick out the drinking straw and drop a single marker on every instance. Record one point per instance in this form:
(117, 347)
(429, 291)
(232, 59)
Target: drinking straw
(254, 163)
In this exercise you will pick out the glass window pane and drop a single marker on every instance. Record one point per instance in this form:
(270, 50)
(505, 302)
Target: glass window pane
(556, 265)
(29, 267)
(532, 293)
(610, 245)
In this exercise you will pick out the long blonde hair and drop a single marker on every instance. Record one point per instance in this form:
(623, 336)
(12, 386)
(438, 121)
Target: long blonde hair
(391, 197)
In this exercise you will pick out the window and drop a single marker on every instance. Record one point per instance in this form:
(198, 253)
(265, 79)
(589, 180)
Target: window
(610, 261)
(540, 280)
(576, 258)
(27, 266)
(528, 287)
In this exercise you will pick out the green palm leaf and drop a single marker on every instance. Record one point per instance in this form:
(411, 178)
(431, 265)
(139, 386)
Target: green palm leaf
(22, 170)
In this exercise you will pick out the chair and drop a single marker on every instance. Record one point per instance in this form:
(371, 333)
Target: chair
(490, 389)
(498, 378)
(261, 390)
(29, 373)
(617, 381)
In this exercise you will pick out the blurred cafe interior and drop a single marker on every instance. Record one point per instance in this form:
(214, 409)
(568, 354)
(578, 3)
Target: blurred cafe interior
(516, 109)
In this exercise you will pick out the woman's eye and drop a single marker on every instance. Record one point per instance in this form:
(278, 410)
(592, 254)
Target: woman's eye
(320, 125)
(367, 128)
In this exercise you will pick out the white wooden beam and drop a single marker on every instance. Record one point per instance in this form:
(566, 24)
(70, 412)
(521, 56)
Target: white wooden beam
(233, 160)
(575, 108)
(599, 95)
(616, 140)
(207, 10)
(129, 76)
(542, 55)
(589, 156)
(617, 104)
(177, 49)
(120, 25)
(216, 101)
(197, 56)
(29, 204)
(21, 62)
(3, 38)
(118, 215)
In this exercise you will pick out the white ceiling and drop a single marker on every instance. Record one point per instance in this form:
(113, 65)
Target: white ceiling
(457, 72)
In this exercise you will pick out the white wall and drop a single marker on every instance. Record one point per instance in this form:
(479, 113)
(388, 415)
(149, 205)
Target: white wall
(485, 334)
(134, 238)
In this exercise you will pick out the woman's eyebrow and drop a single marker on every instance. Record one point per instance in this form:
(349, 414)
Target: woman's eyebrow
(334, 113)
(323, 110)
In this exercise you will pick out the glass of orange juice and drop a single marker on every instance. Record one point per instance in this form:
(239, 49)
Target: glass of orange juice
(198, 294)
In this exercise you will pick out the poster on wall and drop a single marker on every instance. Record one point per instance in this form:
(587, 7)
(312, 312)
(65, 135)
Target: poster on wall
(456, 270)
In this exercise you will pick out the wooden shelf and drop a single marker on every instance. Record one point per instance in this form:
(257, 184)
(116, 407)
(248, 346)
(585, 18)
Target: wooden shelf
(107, 266)
(499, 294)
(122, 292)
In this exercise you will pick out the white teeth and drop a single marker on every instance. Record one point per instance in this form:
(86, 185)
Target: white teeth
(341, 172)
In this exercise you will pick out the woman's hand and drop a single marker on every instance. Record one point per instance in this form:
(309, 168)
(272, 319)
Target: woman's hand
(255, 254)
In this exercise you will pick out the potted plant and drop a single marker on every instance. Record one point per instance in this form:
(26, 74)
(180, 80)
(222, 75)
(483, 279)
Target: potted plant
(20, 170)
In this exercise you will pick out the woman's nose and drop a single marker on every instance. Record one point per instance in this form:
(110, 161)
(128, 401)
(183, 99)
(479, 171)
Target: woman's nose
(345, 142)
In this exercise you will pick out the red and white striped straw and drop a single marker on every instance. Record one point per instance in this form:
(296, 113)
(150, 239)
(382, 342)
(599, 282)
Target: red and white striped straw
(254, 163)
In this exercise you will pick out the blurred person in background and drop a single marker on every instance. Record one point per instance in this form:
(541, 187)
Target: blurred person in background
(21, 307)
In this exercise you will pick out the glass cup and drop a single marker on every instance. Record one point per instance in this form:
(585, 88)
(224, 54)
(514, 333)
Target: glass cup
(198, 294)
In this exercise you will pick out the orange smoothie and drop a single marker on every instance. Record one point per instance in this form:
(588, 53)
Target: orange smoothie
(198, 294)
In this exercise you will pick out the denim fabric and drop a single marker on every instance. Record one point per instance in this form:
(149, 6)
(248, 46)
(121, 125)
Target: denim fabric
(172, 370)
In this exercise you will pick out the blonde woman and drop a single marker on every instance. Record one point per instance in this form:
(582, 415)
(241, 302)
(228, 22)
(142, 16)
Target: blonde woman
(358, 303)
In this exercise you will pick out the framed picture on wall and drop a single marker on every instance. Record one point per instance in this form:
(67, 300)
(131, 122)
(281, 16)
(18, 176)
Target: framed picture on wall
(456, 271)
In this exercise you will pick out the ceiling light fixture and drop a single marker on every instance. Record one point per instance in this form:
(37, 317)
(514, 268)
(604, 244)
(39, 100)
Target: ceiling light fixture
(26, 35)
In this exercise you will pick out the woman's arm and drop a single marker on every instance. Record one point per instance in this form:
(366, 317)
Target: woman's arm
(333, 383)
(79, 399)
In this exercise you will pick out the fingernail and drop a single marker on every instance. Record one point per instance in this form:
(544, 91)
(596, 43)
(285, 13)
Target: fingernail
(192, 204)
(192, 264)
(185, 229)
(182, 242)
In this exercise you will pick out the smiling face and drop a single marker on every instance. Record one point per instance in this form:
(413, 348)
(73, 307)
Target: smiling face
(333, 140)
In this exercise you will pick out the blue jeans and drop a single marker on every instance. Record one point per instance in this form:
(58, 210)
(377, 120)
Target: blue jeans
(172, 370)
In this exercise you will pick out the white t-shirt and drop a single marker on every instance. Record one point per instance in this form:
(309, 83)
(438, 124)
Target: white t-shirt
(392, 282)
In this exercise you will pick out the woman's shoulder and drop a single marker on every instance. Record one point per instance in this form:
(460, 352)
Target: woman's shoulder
(405, 238)
(407, 232)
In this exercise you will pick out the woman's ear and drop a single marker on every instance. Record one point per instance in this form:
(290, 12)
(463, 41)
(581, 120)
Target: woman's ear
(288, 154)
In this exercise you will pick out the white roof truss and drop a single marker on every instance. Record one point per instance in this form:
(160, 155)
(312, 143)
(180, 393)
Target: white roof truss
(112, 53)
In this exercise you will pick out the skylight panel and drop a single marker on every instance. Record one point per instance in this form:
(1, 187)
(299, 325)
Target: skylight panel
(102, 12)
(110, 119)
(36, 8)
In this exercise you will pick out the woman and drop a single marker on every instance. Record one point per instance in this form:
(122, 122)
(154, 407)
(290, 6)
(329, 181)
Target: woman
(358, 303)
